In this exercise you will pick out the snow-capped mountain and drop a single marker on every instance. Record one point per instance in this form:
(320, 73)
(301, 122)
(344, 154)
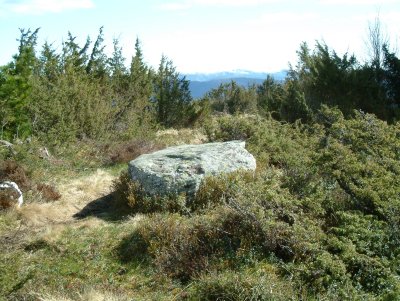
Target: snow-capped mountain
(201, 83)
(234, 74)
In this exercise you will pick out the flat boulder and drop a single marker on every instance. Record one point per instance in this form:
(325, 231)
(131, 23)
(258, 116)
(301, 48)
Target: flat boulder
(180, 169)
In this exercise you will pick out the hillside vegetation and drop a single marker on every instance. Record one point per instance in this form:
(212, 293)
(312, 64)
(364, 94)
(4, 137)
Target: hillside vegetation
(319, 220)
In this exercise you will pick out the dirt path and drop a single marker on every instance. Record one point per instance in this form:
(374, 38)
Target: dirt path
(86, 202)
(78, 195)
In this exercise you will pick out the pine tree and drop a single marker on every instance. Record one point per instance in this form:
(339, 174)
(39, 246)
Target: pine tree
(49, 63)
(140, 77)
(392, 81)
(171, 95)
(133, 90)
(269, 97)
(119, 78)
(15, 86)
(116, 63)
(74, 56)
(97, 64)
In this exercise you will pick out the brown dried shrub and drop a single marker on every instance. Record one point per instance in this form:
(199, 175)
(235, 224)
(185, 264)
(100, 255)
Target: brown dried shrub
(8, 198)
(10, 170)
(48, 192)
(133, 149)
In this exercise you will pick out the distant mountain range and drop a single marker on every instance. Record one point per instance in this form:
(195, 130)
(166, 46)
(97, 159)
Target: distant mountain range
(201, 83)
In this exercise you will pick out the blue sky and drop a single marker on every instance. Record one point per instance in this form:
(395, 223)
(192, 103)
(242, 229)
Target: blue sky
(204, 35)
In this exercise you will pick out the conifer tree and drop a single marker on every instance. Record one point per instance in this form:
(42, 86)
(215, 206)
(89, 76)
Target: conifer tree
(232, 98)
(74, 56)
(97, 63)
(49, 63)
(171, 95)
(269, 97)
(392, 81)
(119, 79)
(15, 88)
(140, 76)
(116, 63)
(133, 90)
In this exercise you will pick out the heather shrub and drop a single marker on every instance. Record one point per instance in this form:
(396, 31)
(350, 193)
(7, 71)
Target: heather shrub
(216, 190)
(130, 192)
(261, 282)
(232, 127)
(362, 156)
(48, 192)
(8, 198)
(11, 170)
(183, 247)
(322, 208)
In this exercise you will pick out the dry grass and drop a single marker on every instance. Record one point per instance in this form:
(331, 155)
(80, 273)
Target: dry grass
(75, 195)
(49, 239)
(48, 220)
(183, 136)
(90, 295)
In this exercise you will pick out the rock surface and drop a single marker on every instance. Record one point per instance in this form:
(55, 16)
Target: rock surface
(182, 168)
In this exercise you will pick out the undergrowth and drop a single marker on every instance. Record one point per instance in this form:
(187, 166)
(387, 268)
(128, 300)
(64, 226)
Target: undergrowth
(319, 220)
(320, 209)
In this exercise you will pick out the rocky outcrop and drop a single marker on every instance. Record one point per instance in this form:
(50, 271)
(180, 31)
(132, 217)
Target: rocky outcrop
(181, 168)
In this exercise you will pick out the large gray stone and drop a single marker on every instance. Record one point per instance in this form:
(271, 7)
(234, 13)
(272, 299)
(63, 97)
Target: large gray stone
(182, 168)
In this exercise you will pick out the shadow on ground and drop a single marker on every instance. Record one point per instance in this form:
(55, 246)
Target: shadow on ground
(107, 208)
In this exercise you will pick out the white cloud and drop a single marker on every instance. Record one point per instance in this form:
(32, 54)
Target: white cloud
(358, 2)
(231, 2)
(174, 6)
(43, 6)
(286, 17)
(187, 4)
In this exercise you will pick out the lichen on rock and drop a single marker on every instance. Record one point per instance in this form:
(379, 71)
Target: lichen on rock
(181, 169)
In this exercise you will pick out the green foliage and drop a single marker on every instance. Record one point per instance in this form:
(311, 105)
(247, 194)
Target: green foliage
(97, 63)
(131, 193)
(49, 63)
(232, 98)
(325, 77)
(319, 220)
(392, 81)
(362, 155)
(76, 95)
(178, 247)
(133, 101)
(225, 128)
(322, 77)
(217, 190)
(322, 209)
(73, 106)
(171, 95)
(295, 107)
(15, 88)
(73, 56)
(258, 283)
(270, 95)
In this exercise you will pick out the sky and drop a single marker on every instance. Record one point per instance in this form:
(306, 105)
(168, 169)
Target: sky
(204, 36)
